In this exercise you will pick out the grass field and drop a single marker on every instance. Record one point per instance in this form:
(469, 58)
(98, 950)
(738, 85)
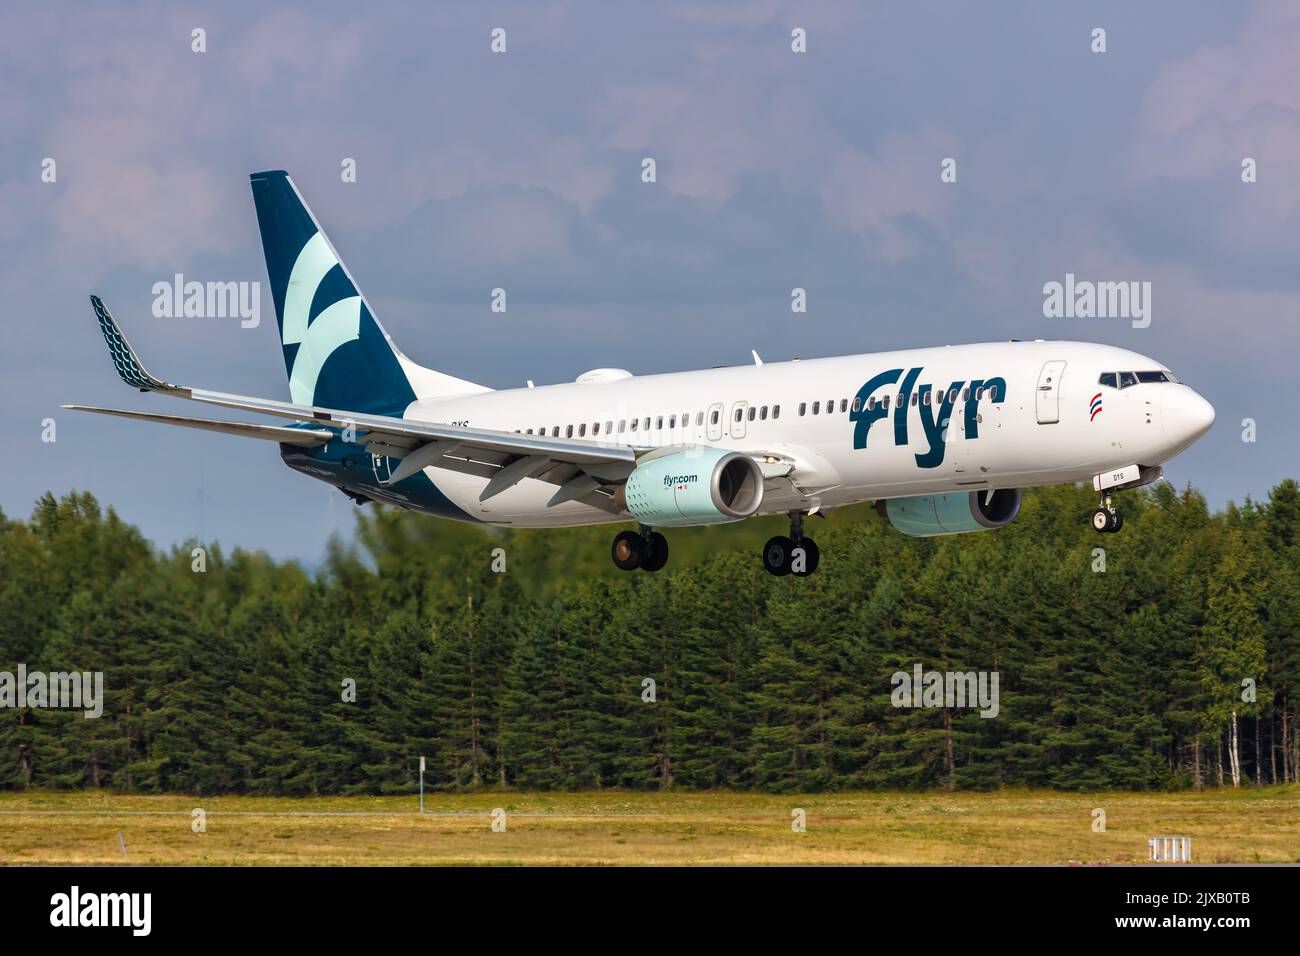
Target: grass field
(622, 828)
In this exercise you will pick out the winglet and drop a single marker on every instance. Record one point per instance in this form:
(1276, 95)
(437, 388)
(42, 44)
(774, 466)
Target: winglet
(127, 363)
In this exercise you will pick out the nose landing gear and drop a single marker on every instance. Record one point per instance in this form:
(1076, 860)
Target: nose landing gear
(644, 549)
(796, 554)
(1107, 519)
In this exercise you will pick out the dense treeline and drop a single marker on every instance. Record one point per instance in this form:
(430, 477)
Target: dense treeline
(235, 679)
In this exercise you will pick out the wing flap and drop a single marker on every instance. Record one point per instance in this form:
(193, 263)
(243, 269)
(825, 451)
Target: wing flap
(409, 431)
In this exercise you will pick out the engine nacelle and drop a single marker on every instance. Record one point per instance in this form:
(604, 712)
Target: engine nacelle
(697, 486)
(925, 516)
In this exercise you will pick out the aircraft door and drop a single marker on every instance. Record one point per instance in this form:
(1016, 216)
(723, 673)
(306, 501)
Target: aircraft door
(738, 419)
(1047, 400)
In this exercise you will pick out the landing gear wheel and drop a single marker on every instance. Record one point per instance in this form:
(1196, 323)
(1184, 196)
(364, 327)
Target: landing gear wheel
(655, 554)
(811, 557)
(1101, 521)
(776, 555)
(628, 550)
(1116, 521)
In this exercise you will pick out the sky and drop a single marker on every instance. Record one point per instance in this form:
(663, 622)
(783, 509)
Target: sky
(522, 170)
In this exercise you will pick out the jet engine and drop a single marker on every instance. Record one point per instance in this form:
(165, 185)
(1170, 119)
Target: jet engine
(695, 486)
(925, 516)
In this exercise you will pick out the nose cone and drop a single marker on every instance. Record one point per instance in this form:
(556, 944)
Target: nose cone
(1186, 416)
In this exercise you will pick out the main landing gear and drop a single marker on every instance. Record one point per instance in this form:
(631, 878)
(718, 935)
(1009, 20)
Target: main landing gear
(796, 554)
(1107, 519)
(643, 548)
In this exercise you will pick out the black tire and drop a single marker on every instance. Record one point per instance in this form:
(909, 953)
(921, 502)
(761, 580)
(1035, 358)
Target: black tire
(776, 555)
(627, 550)
(812, 556)
(656, 556)
(1101, 521)
(1117, 521)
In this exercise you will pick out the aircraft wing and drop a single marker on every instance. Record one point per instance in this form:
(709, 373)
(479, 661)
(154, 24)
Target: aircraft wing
(303, 437)
(584, 471)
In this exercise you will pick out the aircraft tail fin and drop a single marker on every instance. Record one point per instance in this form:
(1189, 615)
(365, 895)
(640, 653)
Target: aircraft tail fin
(335, 351)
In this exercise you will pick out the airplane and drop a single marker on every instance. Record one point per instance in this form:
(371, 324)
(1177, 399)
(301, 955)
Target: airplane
(942, 440)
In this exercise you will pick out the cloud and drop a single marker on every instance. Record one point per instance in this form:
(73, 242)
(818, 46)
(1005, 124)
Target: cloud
(871, 192)
(1203, 114)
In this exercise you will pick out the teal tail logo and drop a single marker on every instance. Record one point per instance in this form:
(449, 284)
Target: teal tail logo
(335, 352)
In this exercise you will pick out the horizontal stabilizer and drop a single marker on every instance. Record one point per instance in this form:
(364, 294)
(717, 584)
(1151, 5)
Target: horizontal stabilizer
(304, 437)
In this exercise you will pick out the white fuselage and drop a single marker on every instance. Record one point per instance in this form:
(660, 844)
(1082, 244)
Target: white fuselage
(1045, 429)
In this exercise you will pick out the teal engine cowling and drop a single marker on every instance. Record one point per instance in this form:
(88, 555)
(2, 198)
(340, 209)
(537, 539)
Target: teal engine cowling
(694, 486)
(925, 516)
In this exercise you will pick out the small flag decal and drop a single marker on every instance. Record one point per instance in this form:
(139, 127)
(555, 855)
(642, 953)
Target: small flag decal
(1096, 406)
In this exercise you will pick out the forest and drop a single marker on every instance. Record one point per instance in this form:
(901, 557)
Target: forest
(1163, 657)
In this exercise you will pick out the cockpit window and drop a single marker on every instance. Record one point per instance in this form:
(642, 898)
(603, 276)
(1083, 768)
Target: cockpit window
(1125, 379)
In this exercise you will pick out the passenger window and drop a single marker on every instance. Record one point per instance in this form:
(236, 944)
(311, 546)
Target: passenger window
(672, 421)
(979, 394)
(645, 423)
(595, 429)
(622, 425)
(965, 394)
(871, 402)
(762, 414)
(857, 403)
(830, 406)
(634, 421)
(913, 400)
(885, 401)
(609, 428)
(844, 404)
(925, 399)
(713, 419)
(555, 432)
(530, 431)
(752, 412)
(776, 412)
(817, 407)
(699, 418)
(740, 413)
(803, 407)
(568, 431)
